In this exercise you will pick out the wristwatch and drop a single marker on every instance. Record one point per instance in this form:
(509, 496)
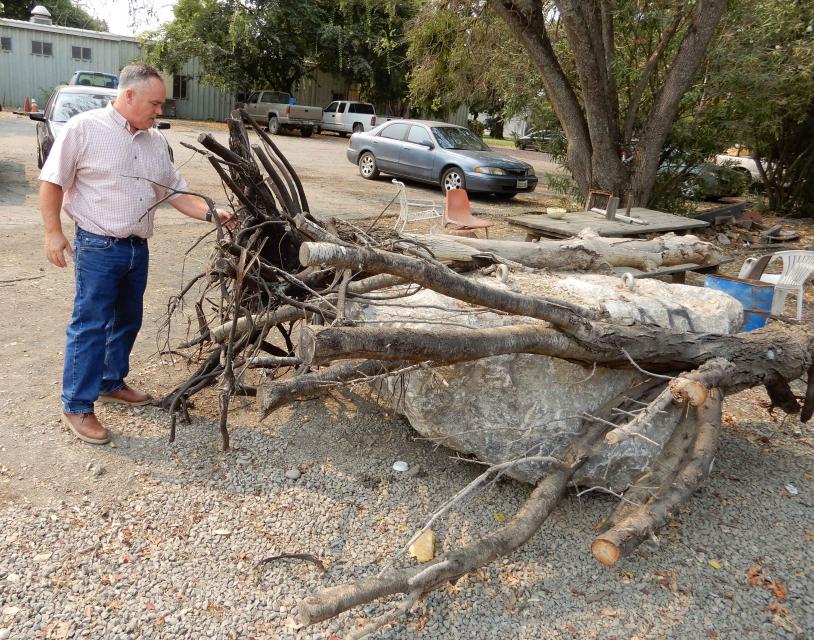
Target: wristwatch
(208, 217)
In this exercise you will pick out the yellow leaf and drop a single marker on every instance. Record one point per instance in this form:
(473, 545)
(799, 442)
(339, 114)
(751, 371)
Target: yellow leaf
(714, 564)
(500, 517)
(423, 549)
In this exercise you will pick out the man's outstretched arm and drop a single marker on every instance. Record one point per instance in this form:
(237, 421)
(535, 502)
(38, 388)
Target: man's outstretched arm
(196, 208)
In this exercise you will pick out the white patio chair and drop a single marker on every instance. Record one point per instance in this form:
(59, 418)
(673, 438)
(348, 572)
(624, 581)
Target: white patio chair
(798, 267)
(414, 210)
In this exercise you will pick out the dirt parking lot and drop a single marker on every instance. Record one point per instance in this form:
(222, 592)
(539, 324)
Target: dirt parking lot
(141, 539)
(42, 294)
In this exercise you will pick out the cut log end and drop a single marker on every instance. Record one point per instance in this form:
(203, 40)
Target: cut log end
(307, 345)
(605, 551)
(692, 391)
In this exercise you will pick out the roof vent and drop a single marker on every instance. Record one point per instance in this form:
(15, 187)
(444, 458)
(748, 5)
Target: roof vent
(40, 15)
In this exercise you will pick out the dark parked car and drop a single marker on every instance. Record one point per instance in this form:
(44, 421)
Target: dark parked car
(708, 181)
(542, 140)
(65, 102)
(439, 153)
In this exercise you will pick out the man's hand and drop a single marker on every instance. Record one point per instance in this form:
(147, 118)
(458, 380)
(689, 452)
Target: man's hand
(56, 244)
(227, 218)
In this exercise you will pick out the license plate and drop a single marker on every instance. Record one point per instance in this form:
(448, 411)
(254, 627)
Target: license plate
(522, 184)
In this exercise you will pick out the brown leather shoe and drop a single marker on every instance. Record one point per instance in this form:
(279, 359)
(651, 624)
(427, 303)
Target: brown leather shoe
(127, 395)
(86, 427)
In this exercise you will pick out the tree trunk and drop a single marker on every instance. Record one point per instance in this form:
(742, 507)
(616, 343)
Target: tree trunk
(626, 534)
(589, 114)
(706, 16)
(528, 24)
(588, 252)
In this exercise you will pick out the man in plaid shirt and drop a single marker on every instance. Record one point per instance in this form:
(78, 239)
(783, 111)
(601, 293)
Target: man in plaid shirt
(107, 170)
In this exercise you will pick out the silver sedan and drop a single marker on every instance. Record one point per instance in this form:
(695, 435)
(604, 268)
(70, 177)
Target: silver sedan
(444, 154)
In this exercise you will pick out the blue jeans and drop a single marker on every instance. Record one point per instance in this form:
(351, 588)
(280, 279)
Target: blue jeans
(111, 276)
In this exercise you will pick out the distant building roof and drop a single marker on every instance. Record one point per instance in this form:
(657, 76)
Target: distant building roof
(53, 28)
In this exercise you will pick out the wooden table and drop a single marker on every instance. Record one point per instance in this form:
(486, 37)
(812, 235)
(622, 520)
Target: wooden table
(541, 226)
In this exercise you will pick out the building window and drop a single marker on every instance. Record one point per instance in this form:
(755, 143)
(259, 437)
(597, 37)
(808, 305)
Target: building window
(81, 53)
(39, 48)
(179, 87)
(5, 44)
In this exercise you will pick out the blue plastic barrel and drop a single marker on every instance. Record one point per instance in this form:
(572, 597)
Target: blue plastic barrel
(754, 295)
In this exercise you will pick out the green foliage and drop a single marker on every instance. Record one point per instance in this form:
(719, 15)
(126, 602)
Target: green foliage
(63, 12)
(476, 127)
(363, 40)
(462, 53)
(763, 68)
(240, 48)
(274, 44)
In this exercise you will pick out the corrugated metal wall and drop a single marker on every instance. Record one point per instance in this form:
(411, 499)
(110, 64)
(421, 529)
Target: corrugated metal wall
(460, 116)
(318, 88)
(203, 101)
(25, 74)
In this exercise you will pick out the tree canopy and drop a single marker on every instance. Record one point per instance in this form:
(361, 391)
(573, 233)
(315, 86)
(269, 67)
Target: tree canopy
(274, 44)
(632, 82)
(762, 70)
(63, 12)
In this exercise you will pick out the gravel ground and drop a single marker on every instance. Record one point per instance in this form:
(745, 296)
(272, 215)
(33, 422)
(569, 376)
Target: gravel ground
(172, 551)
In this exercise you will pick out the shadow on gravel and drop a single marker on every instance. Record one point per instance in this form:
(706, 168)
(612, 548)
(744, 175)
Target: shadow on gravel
(13, 183)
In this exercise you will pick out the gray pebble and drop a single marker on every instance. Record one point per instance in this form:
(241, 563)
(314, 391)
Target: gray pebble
(293, 474)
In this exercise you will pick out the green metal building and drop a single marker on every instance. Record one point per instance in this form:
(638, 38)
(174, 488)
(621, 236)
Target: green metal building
(36, 56)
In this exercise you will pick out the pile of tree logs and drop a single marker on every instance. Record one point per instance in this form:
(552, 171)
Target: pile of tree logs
(275, 298)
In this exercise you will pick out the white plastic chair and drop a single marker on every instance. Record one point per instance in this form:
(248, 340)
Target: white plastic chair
(414, 210)
(798, 267)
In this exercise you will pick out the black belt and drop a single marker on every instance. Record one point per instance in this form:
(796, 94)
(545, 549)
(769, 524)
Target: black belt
(131, 239)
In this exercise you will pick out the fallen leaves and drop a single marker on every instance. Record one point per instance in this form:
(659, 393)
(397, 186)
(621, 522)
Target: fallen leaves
(714, 563)
(758, 577)
(423, 549)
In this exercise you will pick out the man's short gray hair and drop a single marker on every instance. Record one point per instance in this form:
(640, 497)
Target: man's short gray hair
(136, 74)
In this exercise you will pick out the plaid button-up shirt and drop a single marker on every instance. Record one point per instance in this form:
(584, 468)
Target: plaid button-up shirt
(102, 167)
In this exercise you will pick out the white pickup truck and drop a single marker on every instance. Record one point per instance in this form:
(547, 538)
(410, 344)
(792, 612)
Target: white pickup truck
(347, 116)
(275, 110)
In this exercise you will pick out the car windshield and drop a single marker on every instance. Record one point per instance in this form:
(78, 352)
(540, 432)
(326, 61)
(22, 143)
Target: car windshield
(69, 104)
(458, 138)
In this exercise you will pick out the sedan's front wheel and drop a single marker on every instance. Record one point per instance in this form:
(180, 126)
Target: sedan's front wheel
(367, 166)
(453, 178)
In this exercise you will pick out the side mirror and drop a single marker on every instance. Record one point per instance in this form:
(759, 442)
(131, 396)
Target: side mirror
(37, 115)
(428, 144)
(163, 125)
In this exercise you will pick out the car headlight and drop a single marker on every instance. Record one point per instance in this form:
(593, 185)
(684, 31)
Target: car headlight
(530, 171)
(492, 171)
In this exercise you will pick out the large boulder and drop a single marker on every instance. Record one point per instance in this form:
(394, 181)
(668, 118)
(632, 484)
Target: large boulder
(506, 407)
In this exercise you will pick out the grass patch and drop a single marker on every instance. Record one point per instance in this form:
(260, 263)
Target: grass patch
(494, 142)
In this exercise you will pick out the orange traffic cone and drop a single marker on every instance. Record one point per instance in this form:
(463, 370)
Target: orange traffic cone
(34, 106)
(27, 106)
